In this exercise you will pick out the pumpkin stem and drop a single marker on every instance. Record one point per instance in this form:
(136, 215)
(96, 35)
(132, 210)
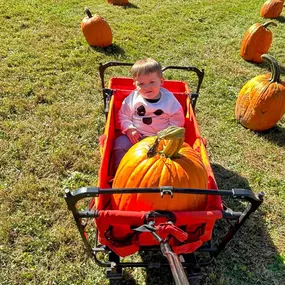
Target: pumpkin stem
(152, 151)
(87, 11)
(265, 25)
(274, 66)
(171, 132)
(173, 138)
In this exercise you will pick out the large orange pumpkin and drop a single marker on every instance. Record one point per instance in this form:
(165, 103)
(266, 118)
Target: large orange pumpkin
(96, 30)
(162, 160)
(256, 41)
(271, 8)
(261, 101)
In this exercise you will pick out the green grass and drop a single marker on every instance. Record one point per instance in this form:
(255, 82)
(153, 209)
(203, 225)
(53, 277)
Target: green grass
(51, 115)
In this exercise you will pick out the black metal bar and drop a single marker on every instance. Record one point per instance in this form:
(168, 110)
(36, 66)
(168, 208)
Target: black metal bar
(103, 67)
(251, 207)
(81, 227)
(113, 271)
(148, 265)
(85, 192)
(73, 197)
(193, 97)
(200, 73)
(107, 94)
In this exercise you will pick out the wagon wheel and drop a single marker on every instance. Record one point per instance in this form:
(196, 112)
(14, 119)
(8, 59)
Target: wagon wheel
(194, 281)
(115, 281)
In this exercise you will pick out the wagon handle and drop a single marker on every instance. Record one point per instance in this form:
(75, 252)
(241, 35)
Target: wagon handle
(200, 73)
(194, 96)
(103, 67)
(73, 197)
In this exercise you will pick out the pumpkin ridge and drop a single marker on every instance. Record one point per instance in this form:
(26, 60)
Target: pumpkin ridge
(167, 170)
(138, 173)
(149, 167)
(193, 181)
(148, 175)
(158, 168)
(189, 164)
(148, 179)
(185, 176)
(195, 159)
(126, 200)
(125, 169)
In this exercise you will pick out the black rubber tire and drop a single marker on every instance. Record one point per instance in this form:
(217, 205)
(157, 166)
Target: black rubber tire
(115, 281)
(194, 281)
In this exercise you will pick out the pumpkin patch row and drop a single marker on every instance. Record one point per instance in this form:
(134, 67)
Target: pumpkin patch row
(261, 101)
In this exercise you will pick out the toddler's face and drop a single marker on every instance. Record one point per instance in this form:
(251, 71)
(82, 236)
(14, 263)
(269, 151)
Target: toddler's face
(149, 85)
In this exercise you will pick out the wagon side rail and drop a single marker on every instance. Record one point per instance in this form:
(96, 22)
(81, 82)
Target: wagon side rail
(107, 93)
(254, 201)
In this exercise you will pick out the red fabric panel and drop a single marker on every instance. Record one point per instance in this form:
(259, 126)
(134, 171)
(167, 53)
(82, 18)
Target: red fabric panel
(124, 242)
(171, 230)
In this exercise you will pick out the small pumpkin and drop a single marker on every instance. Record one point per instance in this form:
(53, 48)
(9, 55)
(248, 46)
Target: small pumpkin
(256, 41)
(96, 30)
(162, 160)
(261, 101)
(271, 9)
(119, 2)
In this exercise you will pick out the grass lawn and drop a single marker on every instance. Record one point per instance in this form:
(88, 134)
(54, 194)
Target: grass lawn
(51, 115)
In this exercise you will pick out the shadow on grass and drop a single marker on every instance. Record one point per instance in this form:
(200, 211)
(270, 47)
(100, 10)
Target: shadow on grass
(250, 258)
(275, 135)
(281, 19)
(131, 5)
(282, 69)
(266, 66)
(113, 49)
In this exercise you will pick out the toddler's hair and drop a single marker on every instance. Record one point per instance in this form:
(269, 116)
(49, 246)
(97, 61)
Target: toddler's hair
(146, 66)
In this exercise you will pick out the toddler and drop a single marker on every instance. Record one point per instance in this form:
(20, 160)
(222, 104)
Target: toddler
(149, 109)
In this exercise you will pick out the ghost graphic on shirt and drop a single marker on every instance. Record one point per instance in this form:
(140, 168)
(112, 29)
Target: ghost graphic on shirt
(147, 120)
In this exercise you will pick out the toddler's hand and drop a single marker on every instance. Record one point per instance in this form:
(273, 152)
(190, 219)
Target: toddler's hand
(133, 135)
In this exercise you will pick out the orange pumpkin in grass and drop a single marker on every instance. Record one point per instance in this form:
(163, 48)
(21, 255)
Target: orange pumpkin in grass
(162, 160)
(96, 30)
(271, 9)
(261, 101)
(256, 41)
(119, 2)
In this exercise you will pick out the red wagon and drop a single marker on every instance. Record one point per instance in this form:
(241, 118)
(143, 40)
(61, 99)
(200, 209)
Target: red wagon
(180, 235)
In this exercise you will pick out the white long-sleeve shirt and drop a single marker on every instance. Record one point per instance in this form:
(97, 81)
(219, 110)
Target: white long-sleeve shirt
(150, 117)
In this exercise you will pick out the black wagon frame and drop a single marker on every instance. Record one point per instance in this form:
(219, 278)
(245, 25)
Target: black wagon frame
(185, 268)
